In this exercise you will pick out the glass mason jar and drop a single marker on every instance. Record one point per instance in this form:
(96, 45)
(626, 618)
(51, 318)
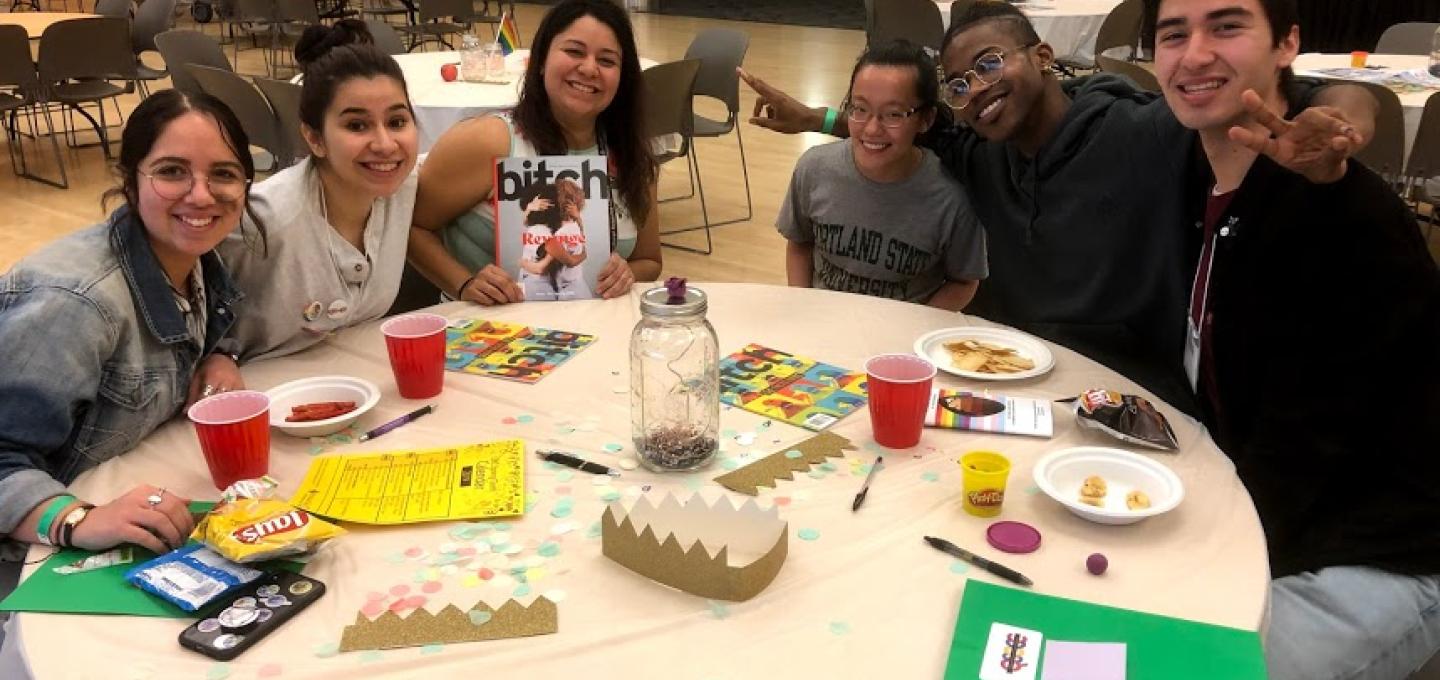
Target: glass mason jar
(674, 383)
(472, 59)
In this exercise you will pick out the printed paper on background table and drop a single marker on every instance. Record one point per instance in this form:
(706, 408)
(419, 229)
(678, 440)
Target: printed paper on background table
(985, 412)
(475, 481)
(509, 350)
(789, 387)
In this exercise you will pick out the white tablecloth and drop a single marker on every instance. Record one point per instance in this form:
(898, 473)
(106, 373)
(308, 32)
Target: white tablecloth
(440, 104)
(866, 599)
(1413, 102)
(1070, 26)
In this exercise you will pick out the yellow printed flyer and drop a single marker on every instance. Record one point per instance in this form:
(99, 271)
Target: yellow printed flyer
(474, 481)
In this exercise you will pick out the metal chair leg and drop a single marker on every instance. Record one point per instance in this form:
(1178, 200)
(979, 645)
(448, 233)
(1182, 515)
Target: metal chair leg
(704, 214)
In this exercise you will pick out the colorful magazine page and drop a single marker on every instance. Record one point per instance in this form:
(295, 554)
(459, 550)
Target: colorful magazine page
(985, 412)
(509, 350)
(791, 388)
(552, 224)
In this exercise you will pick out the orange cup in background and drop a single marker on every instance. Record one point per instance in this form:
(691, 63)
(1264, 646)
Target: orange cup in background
(1358, 57)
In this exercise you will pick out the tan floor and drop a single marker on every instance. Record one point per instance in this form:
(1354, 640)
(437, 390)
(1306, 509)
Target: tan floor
(811, 63)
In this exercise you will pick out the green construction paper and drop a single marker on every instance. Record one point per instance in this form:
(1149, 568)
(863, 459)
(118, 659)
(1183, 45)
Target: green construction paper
(102, 591)
(1157, 646)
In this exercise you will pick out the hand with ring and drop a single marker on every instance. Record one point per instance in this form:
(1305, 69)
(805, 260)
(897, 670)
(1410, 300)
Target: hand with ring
(147, 516)
(616, 278)
(216, 373)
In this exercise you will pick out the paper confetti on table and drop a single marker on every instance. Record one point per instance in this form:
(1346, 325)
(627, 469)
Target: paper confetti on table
(784, 464)
(451, 625)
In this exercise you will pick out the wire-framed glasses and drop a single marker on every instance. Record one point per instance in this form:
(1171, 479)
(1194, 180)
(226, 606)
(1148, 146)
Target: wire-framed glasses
(988, 70)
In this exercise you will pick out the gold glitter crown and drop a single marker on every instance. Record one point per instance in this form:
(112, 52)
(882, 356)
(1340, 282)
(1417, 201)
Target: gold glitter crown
(714, 550)
(481, 622)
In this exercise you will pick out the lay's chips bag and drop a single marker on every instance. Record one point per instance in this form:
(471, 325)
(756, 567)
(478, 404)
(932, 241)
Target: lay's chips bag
(250, 525)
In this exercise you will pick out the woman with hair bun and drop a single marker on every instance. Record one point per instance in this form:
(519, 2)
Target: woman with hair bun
(341, 216)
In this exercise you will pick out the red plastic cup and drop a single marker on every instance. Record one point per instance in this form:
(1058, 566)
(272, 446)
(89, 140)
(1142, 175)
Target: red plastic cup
(417, 353)
(234, 433)
(899, 386)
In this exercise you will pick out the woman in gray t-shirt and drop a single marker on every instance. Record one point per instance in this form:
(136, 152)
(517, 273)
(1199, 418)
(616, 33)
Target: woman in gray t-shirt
(876, 214)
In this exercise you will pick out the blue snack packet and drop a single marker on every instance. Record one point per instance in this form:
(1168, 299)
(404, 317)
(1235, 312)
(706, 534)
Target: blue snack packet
(190, 577)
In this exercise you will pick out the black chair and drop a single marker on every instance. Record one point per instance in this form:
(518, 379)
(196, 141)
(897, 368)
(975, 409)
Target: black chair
(255, 115)
(18, 71)
(78, 60)
(153, 18)
(179, 47)
(669, 96)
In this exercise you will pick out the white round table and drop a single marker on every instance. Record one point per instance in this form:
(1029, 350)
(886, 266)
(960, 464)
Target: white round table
(1413, 102)
(1205, 560)
(1069, 26)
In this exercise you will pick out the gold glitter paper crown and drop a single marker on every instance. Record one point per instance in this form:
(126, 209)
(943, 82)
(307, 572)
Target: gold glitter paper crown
(717, 551)
(512, 619)
(768, 471)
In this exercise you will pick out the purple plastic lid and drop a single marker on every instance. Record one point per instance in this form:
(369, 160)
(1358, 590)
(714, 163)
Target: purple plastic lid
(1013, 537)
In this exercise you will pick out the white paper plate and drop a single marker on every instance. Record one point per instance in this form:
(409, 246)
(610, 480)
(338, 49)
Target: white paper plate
(1061, 473)
(325, 388)
(932, 347)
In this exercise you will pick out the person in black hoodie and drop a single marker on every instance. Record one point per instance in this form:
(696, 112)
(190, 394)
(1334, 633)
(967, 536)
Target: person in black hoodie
(1314, 350)
(1069, 180)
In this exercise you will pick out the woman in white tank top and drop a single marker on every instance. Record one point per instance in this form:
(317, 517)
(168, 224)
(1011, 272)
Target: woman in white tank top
(581, 96)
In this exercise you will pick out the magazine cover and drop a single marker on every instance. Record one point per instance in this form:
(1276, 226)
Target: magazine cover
(509, 350)
(552, 224)
(985, 412)
(791, 388)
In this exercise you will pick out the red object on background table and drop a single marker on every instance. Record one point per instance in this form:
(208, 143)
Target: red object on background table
(416, 343)
(234, 433)
(899, 387)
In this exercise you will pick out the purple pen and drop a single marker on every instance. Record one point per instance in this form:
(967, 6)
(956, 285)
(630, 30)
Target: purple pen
(397, 422)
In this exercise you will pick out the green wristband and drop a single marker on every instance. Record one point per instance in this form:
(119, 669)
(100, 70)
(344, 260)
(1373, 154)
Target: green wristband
(47, 518)
(830, 116)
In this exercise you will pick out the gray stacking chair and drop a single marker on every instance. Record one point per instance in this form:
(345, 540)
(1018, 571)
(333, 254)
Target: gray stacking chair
(668, 92)
(180, 47)
(18, 71)
(249, 106)
(720, 51)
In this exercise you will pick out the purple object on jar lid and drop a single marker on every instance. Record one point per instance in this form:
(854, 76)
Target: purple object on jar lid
(1013, 537)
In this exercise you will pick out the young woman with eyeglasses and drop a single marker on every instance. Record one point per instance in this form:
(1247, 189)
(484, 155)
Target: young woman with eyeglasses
(876, 214)
(106, 331)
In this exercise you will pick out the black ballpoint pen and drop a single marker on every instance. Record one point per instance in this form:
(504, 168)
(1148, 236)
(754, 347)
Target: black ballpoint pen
(576, 462)
(865, 488)
(1002, 571)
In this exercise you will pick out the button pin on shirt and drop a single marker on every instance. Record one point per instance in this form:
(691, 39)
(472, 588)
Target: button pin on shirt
(337, 310)
(313, 310)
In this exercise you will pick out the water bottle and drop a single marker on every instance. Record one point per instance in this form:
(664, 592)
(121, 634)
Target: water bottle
(472, 61)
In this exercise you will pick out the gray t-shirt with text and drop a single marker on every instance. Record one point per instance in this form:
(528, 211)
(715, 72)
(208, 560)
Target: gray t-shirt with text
(899, 240)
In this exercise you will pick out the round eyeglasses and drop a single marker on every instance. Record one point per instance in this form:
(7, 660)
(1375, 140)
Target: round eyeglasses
(173, 182)
(988, 70)
(889, 118)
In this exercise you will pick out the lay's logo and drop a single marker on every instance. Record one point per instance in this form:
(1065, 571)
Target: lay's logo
(290, 521)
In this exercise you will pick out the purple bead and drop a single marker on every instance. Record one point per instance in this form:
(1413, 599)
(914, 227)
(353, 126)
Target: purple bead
(675, 290)
(1097, 564)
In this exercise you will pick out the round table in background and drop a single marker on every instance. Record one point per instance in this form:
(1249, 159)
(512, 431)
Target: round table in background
(866, 599)
(1412, 103)
(35, 23)
(1069, 26)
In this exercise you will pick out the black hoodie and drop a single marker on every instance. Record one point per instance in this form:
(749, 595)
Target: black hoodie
(1081, 238)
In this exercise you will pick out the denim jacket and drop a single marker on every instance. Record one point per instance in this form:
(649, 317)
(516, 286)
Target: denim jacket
(94, 355)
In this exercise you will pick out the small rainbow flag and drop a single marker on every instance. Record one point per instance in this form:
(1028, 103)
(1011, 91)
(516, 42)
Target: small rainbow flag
(509, 36)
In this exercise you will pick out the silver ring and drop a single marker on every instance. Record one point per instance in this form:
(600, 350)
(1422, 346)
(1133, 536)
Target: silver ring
(156, 498)
(209, 390)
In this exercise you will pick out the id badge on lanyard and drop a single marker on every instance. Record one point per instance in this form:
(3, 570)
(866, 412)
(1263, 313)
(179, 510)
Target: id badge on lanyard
(1194, 321)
